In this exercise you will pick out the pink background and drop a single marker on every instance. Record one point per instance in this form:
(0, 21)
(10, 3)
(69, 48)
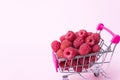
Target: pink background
(27, 28)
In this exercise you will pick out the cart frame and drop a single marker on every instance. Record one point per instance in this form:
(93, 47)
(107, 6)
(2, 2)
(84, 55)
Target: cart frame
(100, 58)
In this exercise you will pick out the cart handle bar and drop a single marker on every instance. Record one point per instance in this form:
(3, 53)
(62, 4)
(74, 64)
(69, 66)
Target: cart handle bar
(116, 37)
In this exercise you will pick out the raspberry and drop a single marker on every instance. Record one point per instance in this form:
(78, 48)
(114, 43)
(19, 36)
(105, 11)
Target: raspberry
(76, 34)
(78, 42)
(84, 49)
(86, 62)
(55, 45)
(90, 40)
(77, 68)
(68, 63)
(65, 43)
(74, 62)
(69, 53)
(70, 35)
(80, 61)
(89, 33)
(93, 59)
(60, 53)
(63, 66)
(96, 48)
(97, 37)
(82, 33)
(62, 38)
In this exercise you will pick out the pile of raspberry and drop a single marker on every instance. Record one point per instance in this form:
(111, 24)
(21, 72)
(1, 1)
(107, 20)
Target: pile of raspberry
(79, 43)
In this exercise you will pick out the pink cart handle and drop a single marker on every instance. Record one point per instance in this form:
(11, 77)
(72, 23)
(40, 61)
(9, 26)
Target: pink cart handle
(115, 39)
(55, 61)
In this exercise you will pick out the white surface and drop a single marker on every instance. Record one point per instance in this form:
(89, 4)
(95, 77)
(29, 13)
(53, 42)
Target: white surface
(27, 28)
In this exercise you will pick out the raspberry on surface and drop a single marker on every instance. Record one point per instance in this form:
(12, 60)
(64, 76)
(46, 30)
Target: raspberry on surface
(70, 35)
(84, 49)
(82, 33)
(90, 40)
(77, 68)
(63, 66)
(55, 45)
(78, 42)
(62, 38)
(96, 48)
(65, 43)
(90, 33)
(70, 53)
(97, 37)
(59, 53)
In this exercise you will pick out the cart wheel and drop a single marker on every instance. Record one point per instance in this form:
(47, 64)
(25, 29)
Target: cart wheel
(65, 77)
(96, 74)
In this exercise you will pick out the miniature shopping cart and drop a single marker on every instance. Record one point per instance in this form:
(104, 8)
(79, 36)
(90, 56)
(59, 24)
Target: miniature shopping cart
(102, 57)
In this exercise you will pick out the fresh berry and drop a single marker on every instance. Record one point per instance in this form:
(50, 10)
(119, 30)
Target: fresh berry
(84, 49)
(97, 37)
(69, 53)
(93, 58)
(59, 53)
(80, 61)
(63, 66)
(96, 48)
(55, 45)
(70, 35)
(76, 34)
(86, 63)
(90, 33)
(82, 33)
(90, 40)
(65, 43)
(78, 42)
(74, 62)
(62, 38)
(77, 68)
(68, 63)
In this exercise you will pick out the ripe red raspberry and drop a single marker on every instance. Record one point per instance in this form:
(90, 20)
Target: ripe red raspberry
(86, 63)
(68, 63)
(97, 37)
(74, 62)
(96, 48)
(69, 53)
(55, 45)
(65, 43)
(93, 58)
(84, 49)
(62, 38)
(63, 66)
(82, 33)
(76, 34)
(78, 42)
(80, 61)
(90, 33)
(70, 35)
(59, 53)
(77, 68)
(90, 40)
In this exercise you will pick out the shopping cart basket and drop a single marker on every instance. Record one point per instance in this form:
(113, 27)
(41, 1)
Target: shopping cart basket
(94, 61)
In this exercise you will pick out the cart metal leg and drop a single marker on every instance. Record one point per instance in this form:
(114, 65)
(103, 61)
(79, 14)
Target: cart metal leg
(66, 77)
(97, 70)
